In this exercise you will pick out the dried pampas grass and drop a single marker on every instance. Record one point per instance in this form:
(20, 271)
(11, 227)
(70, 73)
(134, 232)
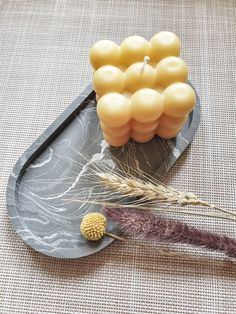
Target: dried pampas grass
(139, 225)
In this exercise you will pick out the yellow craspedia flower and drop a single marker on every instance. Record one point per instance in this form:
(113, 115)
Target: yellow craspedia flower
(93, 226)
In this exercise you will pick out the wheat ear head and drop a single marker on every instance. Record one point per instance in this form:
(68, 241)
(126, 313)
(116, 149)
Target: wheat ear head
(138, 188)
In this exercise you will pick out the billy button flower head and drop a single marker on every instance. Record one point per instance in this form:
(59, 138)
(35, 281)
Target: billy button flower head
(93, 226)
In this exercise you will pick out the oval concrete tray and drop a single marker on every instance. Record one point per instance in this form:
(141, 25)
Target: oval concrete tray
(49, 172)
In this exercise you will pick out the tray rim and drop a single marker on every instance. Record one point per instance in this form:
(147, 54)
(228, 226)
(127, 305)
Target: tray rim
(50, 133)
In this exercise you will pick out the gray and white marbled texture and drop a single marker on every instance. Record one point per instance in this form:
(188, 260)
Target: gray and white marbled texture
(42, 199)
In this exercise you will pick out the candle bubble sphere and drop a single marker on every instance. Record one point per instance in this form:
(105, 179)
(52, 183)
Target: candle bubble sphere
(104, 52)
(114, 110)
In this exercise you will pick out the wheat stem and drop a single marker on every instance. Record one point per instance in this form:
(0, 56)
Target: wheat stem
(216, 208)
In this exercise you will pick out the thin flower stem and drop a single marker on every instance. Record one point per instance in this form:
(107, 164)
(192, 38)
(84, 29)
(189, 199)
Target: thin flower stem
(171, 210)
(163, 210)
(116, 237)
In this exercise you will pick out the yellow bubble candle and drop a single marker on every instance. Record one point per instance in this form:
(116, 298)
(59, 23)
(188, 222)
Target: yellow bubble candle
(141, 88)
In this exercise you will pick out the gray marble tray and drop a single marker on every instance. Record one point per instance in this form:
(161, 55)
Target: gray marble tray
(42, 188)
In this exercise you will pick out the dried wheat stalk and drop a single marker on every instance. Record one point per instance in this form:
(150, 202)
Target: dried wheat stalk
(136, 187)
(133, 188)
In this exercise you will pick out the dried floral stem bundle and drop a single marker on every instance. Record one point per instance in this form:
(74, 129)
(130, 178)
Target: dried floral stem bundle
(140, 225)
(125, 186)
(135, 187)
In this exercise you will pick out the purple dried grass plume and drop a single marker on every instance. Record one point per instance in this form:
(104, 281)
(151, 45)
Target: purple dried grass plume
(140, 225)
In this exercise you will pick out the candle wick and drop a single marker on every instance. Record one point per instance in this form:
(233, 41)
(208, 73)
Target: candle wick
(146, 59)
